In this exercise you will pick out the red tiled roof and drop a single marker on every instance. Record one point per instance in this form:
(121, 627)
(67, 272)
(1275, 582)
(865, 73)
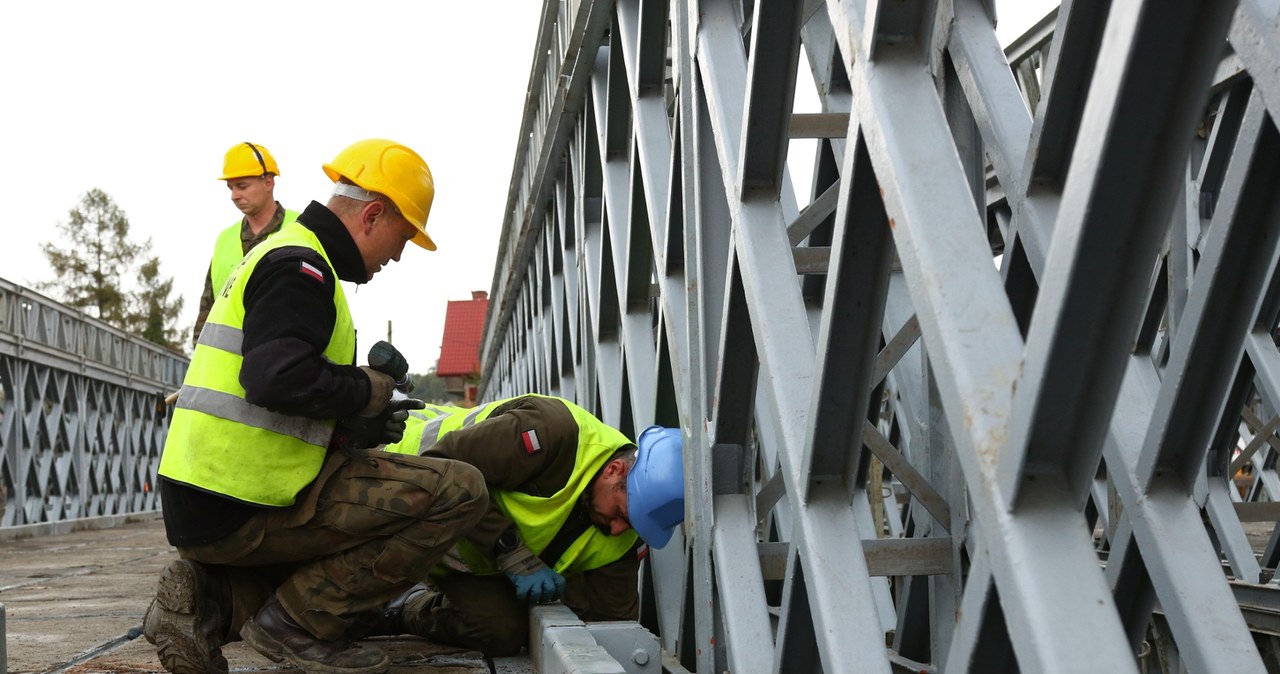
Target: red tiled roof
(463, 328)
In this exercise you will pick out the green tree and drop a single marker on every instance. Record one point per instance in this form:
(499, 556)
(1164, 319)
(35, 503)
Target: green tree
(95, 272)
(89, 272)
(153, 312)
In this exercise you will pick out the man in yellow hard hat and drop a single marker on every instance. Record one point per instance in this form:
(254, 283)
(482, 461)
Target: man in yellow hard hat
(250, 173)
(284, 522)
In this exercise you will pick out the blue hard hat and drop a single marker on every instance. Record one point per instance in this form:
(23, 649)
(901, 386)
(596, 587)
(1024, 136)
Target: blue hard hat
(655, 485)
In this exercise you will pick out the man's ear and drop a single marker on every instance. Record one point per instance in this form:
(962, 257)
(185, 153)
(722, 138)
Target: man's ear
(369, 215)
(615, 467)
(376, 212)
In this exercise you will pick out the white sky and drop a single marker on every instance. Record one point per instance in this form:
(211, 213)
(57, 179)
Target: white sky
(142, 98)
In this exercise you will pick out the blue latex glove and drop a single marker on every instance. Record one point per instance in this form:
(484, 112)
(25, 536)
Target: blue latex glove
(542, 585)
(534, 581)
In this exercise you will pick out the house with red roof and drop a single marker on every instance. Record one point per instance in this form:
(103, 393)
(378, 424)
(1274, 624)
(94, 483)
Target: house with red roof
(459, 364)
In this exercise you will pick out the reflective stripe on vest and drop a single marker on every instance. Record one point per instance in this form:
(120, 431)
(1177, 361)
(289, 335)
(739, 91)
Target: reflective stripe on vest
(423, 427)
(227, 406)
(430, 433)
(538, 518)
(229, 250)
(223, 337)
(220, 442)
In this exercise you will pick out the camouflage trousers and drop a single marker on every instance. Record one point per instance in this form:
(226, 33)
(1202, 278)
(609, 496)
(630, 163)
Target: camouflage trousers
(366, 529)
(477, 612)
(482, 613)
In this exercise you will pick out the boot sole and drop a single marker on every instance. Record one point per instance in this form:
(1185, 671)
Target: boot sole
(276, 652)
(174, 631)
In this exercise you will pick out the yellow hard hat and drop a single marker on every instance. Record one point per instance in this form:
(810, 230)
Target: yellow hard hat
(393, 170)
(246, 160)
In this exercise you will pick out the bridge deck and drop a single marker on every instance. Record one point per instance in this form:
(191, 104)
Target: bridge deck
(74, 603)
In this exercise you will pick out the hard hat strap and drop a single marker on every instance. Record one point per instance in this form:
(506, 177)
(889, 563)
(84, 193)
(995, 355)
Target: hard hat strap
(341, 189)
(351, 191)
(261, 162)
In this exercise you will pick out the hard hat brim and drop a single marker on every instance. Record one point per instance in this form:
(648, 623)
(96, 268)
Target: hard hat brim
(423, 240)
(653, 534)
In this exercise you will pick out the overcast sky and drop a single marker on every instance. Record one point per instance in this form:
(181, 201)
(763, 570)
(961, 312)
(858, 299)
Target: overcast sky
(142, 98)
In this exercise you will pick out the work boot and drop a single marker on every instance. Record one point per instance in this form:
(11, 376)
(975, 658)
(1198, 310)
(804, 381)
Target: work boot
(185, 620)
(274, 634)
(390, 622)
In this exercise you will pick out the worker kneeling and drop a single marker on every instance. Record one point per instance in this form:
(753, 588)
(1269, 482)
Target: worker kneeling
(572, 504)
(288, 527)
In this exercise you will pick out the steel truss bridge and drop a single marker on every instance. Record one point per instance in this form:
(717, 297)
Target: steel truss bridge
(997, 390)
(973, 400)
(82, 415)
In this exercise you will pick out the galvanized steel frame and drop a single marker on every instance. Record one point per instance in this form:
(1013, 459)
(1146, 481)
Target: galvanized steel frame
(82, 413)
(1055, 429)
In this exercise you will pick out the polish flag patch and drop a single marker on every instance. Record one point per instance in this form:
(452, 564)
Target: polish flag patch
(530, 440)
(311, 270)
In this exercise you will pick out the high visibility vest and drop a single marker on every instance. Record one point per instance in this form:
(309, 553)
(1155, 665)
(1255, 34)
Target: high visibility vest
(537, 518)
(220, 442)
(419, 421)
(229, 250)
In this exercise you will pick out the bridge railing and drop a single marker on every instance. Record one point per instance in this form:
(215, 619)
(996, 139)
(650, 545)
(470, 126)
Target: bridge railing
(564, 52)
(82, 413)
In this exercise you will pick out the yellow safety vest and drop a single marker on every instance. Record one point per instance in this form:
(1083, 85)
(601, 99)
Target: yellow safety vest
(537, 518)
(220, 442)
(229, 250)
(419, 421)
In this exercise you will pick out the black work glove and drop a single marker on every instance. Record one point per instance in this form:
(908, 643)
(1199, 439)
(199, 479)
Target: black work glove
(388, 360)
(383, 428)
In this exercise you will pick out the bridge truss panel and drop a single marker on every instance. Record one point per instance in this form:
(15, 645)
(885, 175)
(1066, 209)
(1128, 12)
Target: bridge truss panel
(82, 413)
(997, 390)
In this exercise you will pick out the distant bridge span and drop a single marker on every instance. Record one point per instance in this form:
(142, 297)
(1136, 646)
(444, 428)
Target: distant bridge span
(82, 414)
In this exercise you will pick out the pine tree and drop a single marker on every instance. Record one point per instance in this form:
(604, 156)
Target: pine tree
(89, 273)
(154, 314)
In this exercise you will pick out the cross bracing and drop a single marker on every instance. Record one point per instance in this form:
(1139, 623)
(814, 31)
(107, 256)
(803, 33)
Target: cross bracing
(995, 390)
(82, 413)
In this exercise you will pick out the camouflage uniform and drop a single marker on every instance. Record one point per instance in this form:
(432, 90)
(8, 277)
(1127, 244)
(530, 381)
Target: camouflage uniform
(366, 529)
(482, 612)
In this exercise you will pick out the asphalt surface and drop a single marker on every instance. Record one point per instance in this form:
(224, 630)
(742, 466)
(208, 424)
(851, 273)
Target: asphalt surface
(74, 602)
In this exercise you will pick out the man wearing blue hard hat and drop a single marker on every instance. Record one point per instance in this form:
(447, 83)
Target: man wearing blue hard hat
(572, 504)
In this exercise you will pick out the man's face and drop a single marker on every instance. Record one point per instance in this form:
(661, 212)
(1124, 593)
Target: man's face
(609, 499)
(252, 195)
(386, 234)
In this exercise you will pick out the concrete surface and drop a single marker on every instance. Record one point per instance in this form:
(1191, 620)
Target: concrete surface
(74, 603)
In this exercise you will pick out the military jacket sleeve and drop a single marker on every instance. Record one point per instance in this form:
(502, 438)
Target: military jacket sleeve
(610, 592)
(496, 447)
(289, 318)
(206, 303)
